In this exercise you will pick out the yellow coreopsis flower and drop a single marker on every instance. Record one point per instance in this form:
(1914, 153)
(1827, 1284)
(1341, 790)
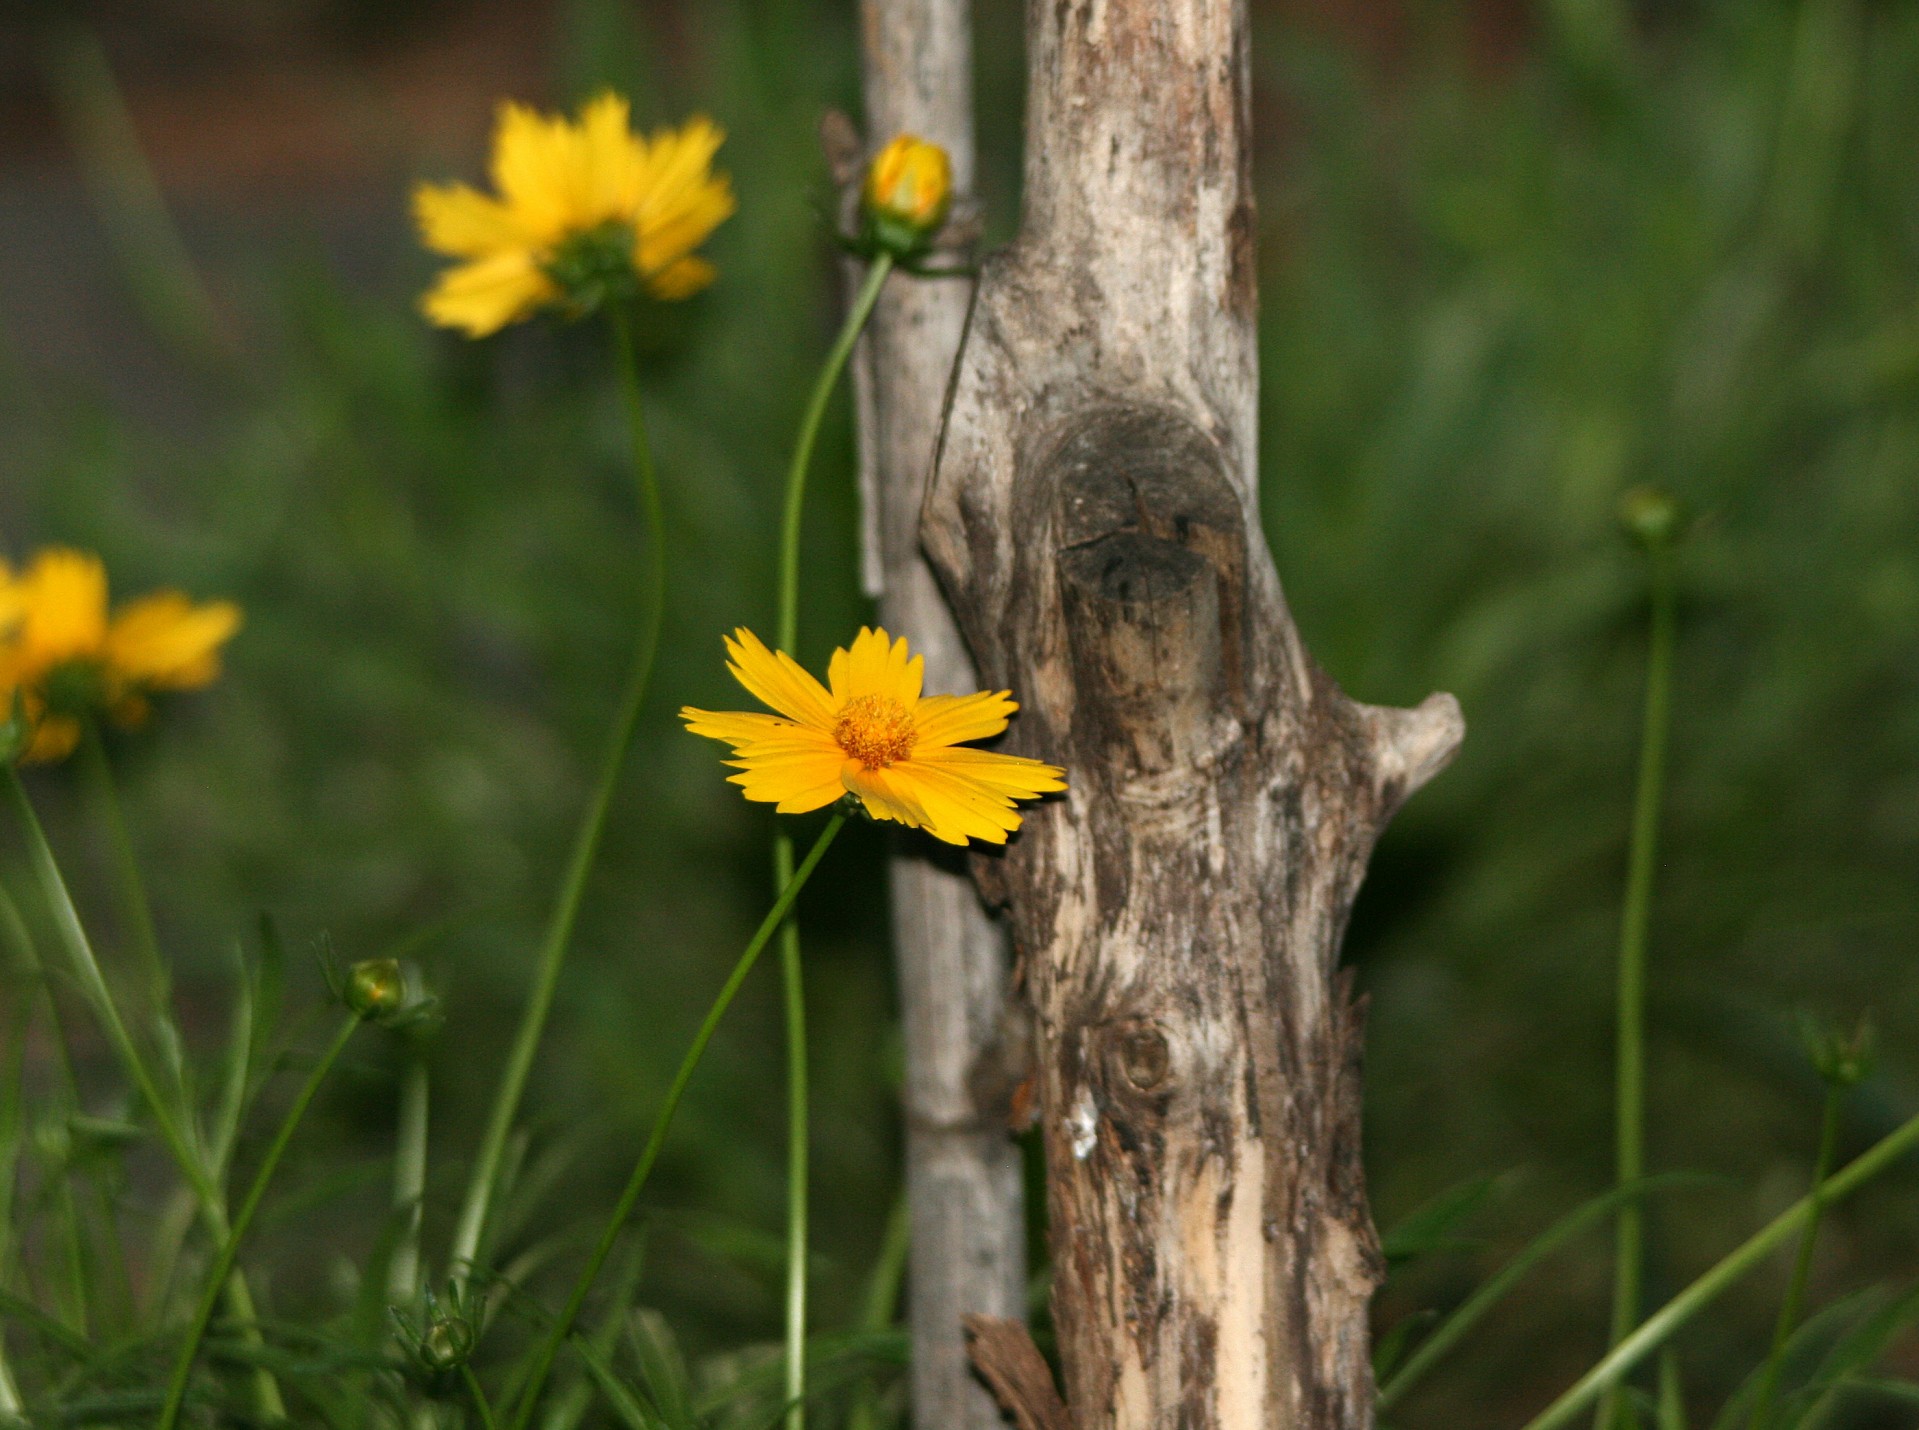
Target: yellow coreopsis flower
(870, 733)
(585, 211)
(63, 657)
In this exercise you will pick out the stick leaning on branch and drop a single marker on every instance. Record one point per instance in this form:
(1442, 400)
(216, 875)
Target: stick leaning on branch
(1094, 515)
(963, 1171)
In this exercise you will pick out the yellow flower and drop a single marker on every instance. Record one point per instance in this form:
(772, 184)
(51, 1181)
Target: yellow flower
(871, 734)
(62, 658)
(586, 211)
(909, 187)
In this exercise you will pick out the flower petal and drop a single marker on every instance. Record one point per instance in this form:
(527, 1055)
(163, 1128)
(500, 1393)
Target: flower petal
(876, 665)
(483, 296)
(63, 605)
(1012, 775)
(462, 222)
(777, 680)
(940, 720)
(736, 727)
(167, 642)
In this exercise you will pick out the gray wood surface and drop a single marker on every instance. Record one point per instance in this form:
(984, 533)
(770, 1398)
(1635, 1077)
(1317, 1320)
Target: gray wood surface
(963, 1171)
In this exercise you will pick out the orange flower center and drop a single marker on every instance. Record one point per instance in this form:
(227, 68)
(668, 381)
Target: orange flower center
(876, 730)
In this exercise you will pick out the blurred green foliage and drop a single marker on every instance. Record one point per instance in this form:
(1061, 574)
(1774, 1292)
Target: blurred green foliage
(1680, 248)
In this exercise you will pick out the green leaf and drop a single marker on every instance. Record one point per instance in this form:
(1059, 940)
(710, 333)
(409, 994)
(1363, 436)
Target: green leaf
(1430, 1227)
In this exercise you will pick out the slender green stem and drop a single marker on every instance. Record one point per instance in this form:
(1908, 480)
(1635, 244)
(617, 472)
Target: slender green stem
(133, 885)
(1790, 1308)
(230, 1248)
(1657, 1328)
(1642, 865)
(185, 1154)
(479, 1396)
(787, 631)
(792, 979)
(559, 932)
(663, 1121)
(409, 1177)
(798, 1143)
(12, 1129)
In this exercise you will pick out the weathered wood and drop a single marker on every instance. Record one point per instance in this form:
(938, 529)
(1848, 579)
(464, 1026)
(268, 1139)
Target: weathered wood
(1022, 1381)
(1094, 514)
(963, 1170)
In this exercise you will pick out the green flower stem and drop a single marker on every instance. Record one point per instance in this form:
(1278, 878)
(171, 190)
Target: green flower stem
(223, 1267)
(12, 1131)
(1657, 1328)
(663, 1120)
(133, 885)
(559, 933)
(186, 1156)
(1795, 1301)
(409, 1178)
(479, 1396)
(792, 981)
(1642, 865)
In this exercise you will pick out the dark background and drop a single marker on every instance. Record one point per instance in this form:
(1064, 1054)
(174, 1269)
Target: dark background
(1515, 259)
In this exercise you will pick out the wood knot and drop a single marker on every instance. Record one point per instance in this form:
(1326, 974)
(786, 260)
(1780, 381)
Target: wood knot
(1144, 1056)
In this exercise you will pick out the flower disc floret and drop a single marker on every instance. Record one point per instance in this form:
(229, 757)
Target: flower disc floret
(870, 733)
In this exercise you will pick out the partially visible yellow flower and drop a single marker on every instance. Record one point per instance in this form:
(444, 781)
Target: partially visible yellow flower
(869, 733)
(62, 658)
(586, 210)
(909, 188)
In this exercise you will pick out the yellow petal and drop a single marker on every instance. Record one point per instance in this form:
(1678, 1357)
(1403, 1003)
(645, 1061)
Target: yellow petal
(166, 642)
(1014, 775)
(875, 665)
(538, 172)
(884, 796)
(959, 805)
(611, 159)
(463, 222)
(63, 598)
(681, 279)
(53, 739)
(796, 785)
(679, 201)
(778, 681)
(949, 719)
(736, 727)
(481, 297)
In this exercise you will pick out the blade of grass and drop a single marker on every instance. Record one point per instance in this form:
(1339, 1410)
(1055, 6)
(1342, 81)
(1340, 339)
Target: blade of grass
(1474, 1308)
(1663, 1323)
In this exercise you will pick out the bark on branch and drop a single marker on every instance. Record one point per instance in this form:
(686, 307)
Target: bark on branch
(1094, 514)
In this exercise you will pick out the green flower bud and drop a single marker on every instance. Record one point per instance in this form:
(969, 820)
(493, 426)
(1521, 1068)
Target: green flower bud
(1652, 517)
(447, 1343)
(1842, 1060)
(376, 987)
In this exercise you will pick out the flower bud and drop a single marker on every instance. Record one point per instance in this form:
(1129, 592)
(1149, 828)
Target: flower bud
(1842, 1060)
(1652, 517)
(375, 987)
(447, 1343)
(909, 188)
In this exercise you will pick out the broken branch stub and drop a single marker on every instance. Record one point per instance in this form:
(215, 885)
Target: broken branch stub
(1094, 515)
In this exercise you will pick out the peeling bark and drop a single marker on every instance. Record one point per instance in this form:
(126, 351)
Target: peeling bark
(963, 1171)
(1094, 515)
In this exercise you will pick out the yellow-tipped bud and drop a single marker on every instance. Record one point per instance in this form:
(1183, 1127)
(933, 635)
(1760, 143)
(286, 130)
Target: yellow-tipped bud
(376, 987)
(909, 188)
